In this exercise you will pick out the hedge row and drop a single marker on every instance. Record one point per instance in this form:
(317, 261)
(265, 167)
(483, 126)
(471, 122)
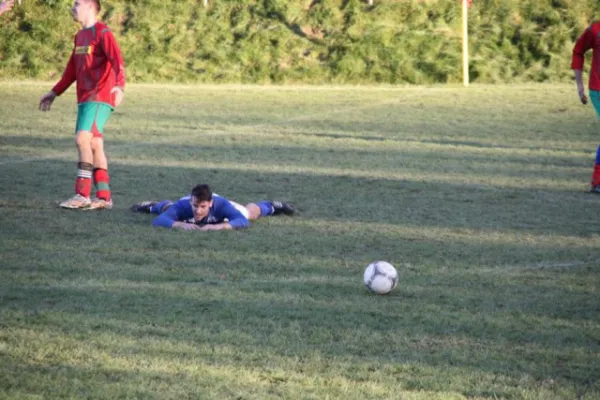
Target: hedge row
(308, 41)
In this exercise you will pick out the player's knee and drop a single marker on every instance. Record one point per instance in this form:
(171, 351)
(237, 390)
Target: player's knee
(83, 139)
(97, 145)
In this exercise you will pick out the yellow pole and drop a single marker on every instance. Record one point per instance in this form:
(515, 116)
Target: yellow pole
(465, 36)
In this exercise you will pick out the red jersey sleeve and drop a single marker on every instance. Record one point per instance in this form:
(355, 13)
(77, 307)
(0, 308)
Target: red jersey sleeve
(584, 43)
(68, 77)
(113, 54)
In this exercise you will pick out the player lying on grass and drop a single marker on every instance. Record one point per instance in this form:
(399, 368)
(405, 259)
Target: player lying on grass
(205, 211)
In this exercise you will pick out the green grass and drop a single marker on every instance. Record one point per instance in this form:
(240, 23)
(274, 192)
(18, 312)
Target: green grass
(476, 195)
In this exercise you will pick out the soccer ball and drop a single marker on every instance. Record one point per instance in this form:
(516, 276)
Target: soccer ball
(380, 277)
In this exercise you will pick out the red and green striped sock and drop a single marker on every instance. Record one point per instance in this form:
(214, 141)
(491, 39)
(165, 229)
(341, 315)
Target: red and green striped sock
(101, 180)
(83, 183)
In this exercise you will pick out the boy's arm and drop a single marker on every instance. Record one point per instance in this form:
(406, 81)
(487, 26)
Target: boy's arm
(168, 218)
(114, 56)
(173, 218)
(68, 77)
(66, 80)
(235, 218)
(583, 44)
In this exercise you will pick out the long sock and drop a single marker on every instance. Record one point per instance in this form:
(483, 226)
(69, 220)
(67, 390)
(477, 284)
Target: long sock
(101, 180)
(596, 174)
(161, 207)
(83, 183)
(266, 208)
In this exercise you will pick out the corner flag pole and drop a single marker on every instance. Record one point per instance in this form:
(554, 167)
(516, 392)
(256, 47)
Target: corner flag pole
(465, 37)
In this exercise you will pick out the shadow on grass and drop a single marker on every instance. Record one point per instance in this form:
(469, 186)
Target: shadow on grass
(377, 158)
(48, 379)
(409, 201)
(422, 326)
(90, 274)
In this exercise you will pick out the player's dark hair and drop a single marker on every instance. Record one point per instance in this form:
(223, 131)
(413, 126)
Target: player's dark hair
(202, 192)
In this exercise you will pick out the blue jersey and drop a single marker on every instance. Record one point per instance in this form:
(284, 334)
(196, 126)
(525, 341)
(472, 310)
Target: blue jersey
(221, 211)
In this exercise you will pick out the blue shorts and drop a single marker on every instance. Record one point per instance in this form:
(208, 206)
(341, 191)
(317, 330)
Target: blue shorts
(595, 97)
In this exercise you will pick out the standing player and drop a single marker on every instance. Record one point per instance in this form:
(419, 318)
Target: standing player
(204, 210)
(97, 66)
(589, 40)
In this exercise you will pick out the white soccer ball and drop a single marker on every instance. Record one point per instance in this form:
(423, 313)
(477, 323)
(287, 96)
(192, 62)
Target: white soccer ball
(380, 277)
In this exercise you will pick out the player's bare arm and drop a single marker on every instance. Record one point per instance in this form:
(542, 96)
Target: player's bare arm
(216, 227)
(185, 226)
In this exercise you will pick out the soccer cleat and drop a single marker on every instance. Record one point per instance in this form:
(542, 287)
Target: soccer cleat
(77, 202)
(595, 189)
(101, 204)
(143, 207)
(280, 207)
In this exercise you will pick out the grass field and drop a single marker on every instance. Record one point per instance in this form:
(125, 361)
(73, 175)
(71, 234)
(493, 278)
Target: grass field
(476, 195)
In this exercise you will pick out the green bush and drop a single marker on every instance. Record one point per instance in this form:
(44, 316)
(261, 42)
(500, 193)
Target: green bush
(308, 41)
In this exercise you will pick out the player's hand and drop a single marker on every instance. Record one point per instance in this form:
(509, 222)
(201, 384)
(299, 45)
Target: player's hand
(119, 94)
(216, 227)
(582, 96)
(46, 101)
(6, 5)
(184, 226)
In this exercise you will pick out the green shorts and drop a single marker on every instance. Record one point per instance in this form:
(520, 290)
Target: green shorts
(91, 117)
(595, 97)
